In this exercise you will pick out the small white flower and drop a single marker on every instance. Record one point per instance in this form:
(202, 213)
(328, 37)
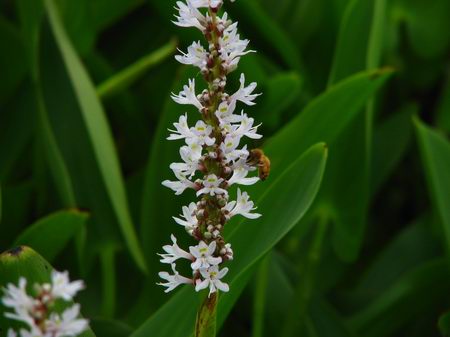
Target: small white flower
(182, 129)
(63, 288)
(190, 221)
(66, 325)
(22, 315)
(203, 254)
(242, 206)
(35, 332)
(174, 252)
(191, 155)
(228, 252)
(212, 279)
(211, 186)
(206, 3)
(202, 134)
(230, 149)
(232, 48)
(189, 15)
(246, 128)
(17, 297)
(244, 94)
(174, 280)
(240, 177)
(187, 96)
(180, 185)
(196, 55)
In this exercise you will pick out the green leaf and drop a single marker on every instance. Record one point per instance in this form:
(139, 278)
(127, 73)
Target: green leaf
(427, 26)
(104, 13)
(268, 32)
(412, 247)
(425, 285)
(97, 128)
(444, 324)
(435, 152)
(391, 140)
(324, 118)
(129, 75)
(109, 328)
(51, 234)
(443, 117)
(282, 204)
(13, 65)
(359, 48)
(15, 125)
(259, 296)
(352, 45)
(327, 321)
(19, 262)
(280, 92)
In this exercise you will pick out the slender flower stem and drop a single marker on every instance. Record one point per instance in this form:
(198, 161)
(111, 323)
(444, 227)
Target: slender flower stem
(205, 325)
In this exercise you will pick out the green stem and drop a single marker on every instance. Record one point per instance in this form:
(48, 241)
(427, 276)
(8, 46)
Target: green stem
(123, 79)
(296, 316)
(205, 326)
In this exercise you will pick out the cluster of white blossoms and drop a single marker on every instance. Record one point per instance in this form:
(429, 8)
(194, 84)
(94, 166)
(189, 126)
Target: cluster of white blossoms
(36, 312)
(212, 158)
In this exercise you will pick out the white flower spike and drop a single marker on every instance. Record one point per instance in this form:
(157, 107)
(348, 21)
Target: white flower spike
(36, 312)
(214, 155)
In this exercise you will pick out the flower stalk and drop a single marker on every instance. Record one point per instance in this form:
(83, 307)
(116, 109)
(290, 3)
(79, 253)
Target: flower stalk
(213, 159)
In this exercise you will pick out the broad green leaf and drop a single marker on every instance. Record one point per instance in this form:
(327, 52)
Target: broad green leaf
(30, 14)
(425, 285)
(51, 234)
(259, 296)
(19, 262)
(92, 116)
(444, 324)
(126, 77)
(427, 26)
(267, 30)
(282, 204)
(443, 117)
(104, 13)
(435, 152)
(359, 48)
(391, 140)
(280, 92)
(324, 118)
(412, 247)
(109, 287)
(327, 321)
(13, 66)
(15, 129)
(109, 328)
(54, 157)
(75, 15)
(351, 50)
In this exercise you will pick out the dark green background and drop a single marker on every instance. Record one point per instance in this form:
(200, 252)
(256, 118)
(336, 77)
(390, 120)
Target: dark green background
(82, 134)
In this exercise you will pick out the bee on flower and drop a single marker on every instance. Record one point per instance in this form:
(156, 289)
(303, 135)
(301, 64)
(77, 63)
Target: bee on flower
(213, 157)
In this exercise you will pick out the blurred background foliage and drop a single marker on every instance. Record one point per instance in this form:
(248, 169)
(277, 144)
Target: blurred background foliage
(84, 97)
